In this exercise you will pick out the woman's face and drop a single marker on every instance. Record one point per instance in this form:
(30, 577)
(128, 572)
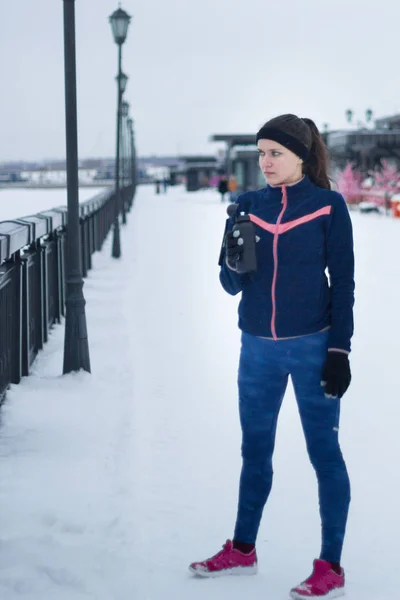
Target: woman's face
(279, 165)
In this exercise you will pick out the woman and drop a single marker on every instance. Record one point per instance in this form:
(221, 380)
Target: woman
(293, 323)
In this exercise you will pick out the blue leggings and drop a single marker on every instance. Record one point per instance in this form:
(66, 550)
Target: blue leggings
(263, 375)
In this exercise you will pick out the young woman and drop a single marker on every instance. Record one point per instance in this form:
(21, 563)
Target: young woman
(293, 322)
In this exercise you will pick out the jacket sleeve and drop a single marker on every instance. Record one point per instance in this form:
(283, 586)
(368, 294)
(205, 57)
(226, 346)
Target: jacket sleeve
(230, 280)
(340, 260)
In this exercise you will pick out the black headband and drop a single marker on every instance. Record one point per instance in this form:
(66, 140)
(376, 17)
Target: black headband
(285, 139)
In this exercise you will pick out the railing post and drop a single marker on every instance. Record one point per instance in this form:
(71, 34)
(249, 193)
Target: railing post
(83, 248)
(44, 289)
(62, 282)
(25, 316)
(89, 241)
(58, 283)
(16, 367)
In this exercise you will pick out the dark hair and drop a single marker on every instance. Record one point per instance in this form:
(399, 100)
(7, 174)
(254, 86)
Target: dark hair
(317, 164)
(302, 137)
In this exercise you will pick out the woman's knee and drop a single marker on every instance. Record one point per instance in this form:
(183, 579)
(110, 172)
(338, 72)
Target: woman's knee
(258, 448)
(327, 458)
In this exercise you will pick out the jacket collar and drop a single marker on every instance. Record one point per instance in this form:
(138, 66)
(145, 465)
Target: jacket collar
(302, 187)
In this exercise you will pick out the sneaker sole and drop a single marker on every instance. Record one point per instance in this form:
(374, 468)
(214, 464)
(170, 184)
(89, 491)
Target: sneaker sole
(332, 594)
(238, 571)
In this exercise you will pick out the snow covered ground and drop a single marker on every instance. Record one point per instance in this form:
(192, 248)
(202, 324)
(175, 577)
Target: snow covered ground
(16, 203)
(111, 483)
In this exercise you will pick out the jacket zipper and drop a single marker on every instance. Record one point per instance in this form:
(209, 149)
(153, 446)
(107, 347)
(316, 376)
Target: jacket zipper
(275, 253)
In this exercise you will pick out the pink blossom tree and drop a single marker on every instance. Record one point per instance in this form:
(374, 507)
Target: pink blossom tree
(387, 179)
(349, 183)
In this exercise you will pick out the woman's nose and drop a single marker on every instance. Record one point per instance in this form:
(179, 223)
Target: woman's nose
(266, 162)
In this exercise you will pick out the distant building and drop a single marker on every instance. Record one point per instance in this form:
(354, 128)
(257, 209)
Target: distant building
(241, 160)
(198, 171)
(366, 147)
(11, 177)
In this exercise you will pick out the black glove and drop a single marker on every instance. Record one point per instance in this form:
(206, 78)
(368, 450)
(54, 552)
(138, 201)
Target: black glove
(233, 249)
(336, 375)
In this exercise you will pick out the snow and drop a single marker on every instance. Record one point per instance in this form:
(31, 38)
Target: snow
(112, 483)
(15, 203)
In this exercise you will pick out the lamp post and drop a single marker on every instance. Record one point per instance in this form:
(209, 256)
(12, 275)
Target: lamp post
(133, 158)
(123, 82)
(368, 115)
(127, 150)
(120, 160)
(128, 171)
(76, 347)
(125, 114)
(119, 24)
(125, 144)
(130, 131)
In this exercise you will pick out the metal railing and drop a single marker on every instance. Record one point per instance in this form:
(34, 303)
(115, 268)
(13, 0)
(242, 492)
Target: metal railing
(32, 276)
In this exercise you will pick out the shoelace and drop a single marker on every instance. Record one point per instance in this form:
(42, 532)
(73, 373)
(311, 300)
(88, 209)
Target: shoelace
(224, 547)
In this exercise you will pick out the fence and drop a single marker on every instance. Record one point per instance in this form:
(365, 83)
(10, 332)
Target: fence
(32, 276)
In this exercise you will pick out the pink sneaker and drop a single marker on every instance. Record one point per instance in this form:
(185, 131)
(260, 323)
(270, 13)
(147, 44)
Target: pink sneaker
(228, 561)
(323, 583)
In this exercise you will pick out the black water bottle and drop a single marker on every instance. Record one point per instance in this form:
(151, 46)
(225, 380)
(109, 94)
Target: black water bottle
(244, 230)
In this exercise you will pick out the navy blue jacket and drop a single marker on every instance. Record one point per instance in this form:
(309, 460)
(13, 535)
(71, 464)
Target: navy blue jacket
(303, 231)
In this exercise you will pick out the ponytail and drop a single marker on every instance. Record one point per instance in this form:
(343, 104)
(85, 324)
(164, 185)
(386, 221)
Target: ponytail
(316, 165)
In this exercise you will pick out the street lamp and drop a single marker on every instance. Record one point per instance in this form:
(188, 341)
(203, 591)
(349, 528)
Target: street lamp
(119, 21)
(124, 114)
(130, 146)
(123, 80)
(119, 24)
(349, 115)
(127, 148)
(125, 109)
(76, 346)
(133, 159)
(361, 125)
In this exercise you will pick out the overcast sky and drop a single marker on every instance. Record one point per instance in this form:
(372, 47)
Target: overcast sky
(196, 67)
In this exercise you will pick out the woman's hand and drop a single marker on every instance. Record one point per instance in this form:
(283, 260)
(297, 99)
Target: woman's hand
(233, 248)
(336, 375)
